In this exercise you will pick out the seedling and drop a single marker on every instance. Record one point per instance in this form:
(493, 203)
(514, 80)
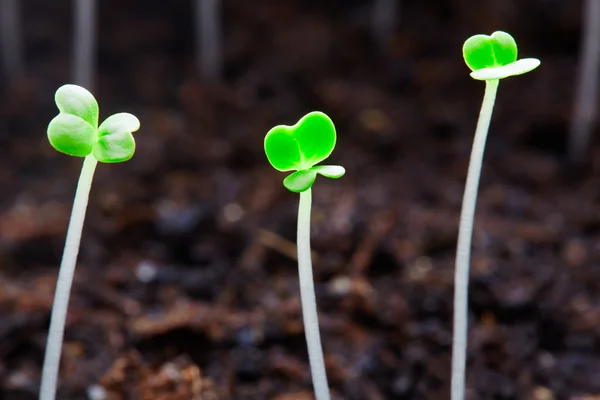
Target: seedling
(491, 58)
(299, 148)
(75, 131)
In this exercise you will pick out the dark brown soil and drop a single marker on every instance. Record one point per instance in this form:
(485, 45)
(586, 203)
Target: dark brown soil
(187, 286)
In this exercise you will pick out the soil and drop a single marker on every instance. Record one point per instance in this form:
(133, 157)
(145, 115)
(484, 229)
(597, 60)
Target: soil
(186, 286)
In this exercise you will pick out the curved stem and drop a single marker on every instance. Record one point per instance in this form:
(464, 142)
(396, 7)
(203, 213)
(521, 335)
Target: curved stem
(309, 303)
(64, 281)
(463, 251)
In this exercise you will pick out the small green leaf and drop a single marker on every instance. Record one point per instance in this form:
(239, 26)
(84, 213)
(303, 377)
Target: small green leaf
(477, 52)
(299, 147)
(75, 100)
(71, 135)
(315, 134)
(303, 180)
(120, 122)
(115, 148)
(300, 181)
(519, 67)
(115, 141)
(495, 57)
(282, 149)
(329, 171)
(504, 48)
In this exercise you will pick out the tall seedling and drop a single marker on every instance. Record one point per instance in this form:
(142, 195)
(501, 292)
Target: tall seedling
(299, 148)
(75, 131)
(490, 58)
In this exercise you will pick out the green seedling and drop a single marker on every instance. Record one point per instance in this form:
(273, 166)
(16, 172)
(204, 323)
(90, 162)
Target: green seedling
(299, 148)
(75, 131)
(490, 58)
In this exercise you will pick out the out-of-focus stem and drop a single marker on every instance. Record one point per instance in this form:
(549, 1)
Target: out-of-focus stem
(10, 27)
(384, 17)
(586, 99)
(84, 43)
(208, 38)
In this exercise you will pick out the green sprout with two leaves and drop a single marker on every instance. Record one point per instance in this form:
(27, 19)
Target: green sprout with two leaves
(490, 59)
(75, 131)
(299, 148)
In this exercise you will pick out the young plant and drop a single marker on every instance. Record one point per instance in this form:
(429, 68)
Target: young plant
(75, 131)
(491, 58)
(299, 148)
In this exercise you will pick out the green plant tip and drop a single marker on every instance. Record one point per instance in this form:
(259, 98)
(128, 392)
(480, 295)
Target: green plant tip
(495, 57)
(300, 147)
(74, 131)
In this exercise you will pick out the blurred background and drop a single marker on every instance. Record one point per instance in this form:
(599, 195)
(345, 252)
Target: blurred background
(186, 286)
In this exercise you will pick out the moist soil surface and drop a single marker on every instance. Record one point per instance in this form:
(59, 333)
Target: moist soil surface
(186, 285)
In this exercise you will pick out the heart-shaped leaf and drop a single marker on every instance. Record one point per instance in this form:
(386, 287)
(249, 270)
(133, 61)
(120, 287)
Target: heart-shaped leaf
(282, 149)
(115, 141)
(75, 100)
(495, 57)
(71, 135)
(299, 147)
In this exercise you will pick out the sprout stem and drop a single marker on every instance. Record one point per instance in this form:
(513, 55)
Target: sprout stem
(586, 98)
(10, 26)
(309, 303)
(64, 281)
(465, 233)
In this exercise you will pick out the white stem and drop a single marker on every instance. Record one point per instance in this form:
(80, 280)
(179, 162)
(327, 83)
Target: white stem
(84, 43)
(309, 302)
(586, 100)
(463, 251)
(208, 42)
(10, 20)
(64, 281)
